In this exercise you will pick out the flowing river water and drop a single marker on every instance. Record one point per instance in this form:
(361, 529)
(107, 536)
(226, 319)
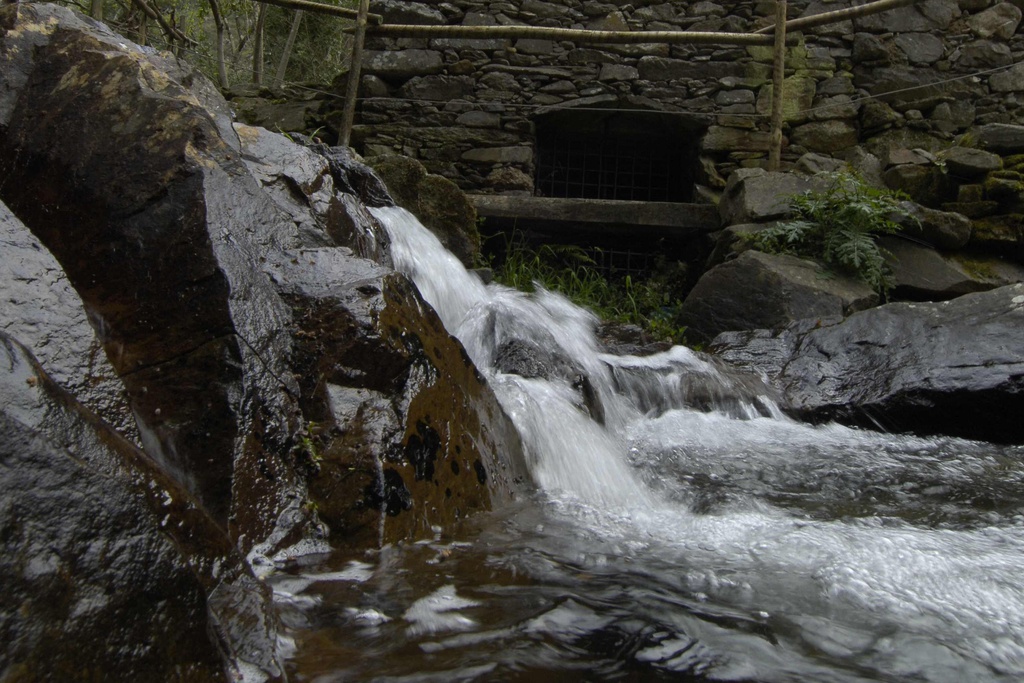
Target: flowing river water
(697, 534)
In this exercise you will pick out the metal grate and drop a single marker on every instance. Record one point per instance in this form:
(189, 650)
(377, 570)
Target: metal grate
(602, 167)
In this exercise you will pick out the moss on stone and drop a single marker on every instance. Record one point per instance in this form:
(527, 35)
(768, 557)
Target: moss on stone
(1014, 162)
(976, 268)
(438, 202)
(1007, 174)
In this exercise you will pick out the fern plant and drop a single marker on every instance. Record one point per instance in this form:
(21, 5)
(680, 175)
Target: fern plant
(839, 225)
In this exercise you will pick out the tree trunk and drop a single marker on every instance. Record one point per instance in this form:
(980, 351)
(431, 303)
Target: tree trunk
(257, 47)
(96, 10)
(289, 44)
(218, 21)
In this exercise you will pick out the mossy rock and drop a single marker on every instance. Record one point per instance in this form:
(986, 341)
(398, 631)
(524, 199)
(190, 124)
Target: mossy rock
(444, 208)
(971, 193)
(1001, 235)
(438, 202)
(1007, 174)
(402, 175)
(972, 209)
(1009, 192)
(990, 271)
(1014, 162)
(925, 184)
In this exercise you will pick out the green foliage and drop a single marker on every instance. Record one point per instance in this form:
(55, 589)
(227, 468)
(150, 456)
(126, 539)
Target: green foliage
(321, 50)
(320, 53)
(838, 225)
(307, 448)
(570, 270)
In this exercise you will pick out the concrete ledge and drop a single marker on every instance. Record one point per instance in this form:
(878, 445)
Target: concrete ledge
(680, 217)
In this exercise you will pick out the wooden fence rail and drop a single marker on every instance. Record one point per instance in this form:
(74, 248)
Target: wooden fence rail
(838, 15)
(570, 34)
(320, 8)
(775, 34)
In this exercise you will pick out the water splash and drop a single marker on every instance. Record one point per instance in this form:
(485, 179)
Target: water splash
(851, 542)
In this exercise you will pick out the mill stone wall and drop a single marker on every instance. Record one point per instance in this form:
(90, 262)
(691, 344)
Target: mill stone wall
(469, 109)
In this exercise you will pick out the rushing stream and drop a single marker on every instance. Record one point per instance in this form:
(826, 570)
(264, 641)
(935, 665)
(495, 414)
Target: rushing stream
(697, 534)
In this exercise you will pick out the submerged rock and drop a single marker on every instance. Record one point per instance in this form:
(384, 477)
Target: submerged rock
(955, 367)
(530, 360)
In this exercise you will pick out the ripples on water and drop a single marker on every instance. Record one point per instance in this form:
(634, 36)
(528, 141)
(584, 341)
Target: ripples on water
(698, 535)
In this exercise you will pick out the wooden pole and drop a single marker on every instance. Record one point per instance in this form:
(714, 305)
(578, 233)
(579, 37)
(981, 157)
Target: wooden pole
(778, 83)
(319, 8)
(575, 35)
(838, 15)
(352, 87)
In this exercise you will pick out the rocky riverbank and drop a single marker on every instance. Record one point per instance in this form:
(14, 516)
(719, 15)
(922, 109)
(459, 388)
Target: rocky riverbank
(208, 368)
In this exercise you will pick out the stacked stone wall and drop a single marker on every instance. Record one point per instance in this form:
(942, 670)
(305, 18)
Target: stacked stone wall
(468, 108)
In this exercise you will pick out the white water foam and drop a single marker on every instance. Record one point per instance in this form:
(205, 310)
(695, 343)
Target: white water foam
(948, 602)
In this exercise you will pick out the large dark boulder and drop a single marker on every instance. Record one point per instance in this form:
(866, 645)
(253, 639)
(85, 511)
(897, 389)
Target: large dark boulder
(185, 238)
(941, 229)
(110, 570)
(955, 367)
(757, 290)
(920, 273)
(1000, 138)
(39, 307)
(139, 192)
(402, 426)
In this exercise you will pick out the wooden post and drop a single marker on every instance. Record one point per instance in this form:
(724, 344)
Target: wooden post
(778, 82)
(352, 89)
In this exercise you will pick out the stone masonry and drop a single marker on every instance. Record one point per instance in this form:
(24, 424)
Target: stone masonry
(471, 109)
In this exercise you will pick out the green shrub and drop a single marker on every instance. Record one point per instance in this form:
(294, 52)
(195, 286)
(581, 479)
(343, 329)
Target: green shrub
(570, 270)
(839, 225)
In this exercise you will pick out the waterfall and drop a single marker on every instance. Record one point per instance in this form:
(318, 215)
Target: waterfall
(699, 471)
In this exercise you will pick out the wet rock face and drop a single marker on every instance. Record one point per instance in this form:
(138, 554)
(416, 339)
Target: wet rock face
(272, 369)
(757, 290)
(110, 570)
(39, 307)
(379, 376)
(129, 182)
(436, 201)
(185, 238)
(955, 367)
